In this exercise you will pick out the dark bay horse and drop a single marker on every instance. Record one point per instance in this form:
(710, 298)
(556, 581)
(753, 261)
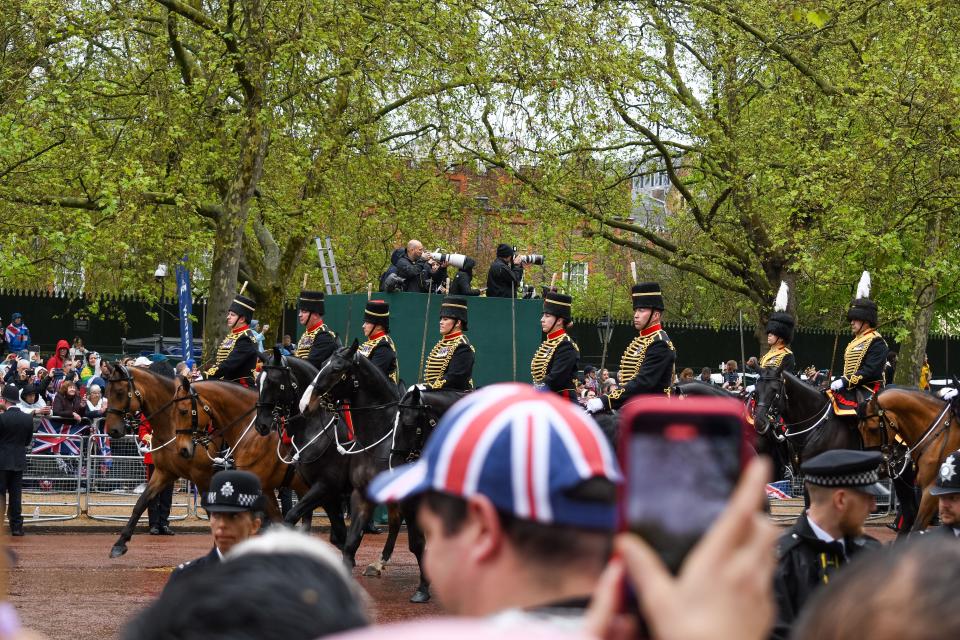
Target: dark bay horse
(926, 424)
(349, 379)
(420, 411)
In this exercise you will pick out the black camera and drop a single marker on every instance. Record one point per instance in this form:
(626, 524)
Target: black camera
(393, 282)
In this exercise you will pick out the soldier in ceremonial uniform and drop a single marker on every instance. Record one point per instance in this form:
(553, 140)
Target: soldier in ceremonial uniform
(947, 490)
(379, 347)
(234, 503)
(863, 359)
(843, 486)
(237, 354)
(555, 362)
(318, 342)
(450, 362)
(647, 364)
(779, 335)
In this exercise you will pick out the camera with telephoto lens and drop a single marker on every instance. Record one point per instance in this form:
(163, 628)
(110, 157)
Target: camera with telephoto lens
(452, 259)
(393, 282)
(533, 258)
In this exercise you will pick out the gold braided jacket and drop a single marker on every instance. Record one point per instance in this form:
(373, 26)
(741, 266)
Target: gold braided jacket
(366, 349)
(227, 346)
(439, 359)
(774, 357)
(542, 357)
(306, 340)
(854, 354)
(632, 360)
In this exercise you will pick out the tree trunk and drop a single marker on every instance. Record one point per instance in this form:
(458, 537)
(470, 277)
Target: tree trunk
(913, 350)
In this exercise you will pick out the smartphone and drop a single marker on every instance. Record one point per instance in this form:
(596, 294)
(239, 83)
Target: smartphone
(681, 459)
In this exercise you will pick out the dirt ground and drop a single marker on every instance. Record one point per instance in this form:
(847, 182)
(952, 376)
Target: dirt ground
(66, 587)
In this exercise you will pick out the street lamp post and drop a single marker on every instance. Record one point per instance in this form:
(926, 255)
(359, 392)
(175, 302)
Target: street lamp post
(605, 332)
(160, 275)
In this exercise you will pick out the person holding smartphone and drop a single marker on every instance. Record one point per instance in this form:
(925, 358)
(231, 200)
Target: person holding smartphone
(646, 366)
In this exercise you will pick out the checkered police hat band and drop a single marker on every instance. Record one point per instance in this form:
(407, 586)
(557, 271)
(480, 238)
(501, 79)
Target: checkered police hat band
(862, 479)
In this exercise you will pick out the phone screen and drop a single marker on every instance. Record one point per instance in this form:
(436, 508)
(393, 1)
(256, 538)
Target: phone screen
(684, 459)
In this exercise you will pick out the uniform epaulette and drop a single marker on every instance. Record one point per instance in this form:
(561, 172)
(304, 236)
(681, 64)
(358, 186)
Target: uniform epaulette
(786, 544)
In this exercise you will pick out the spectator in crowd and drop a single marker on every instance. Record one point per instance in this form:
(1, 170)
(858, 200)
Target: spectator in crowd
(610, 384)
(90, 368)
(234, 504)
(392, 269)
(60, 355)
(492, 547)
(158, 507)
(843, 487)
(731, 381)
(67, 404)
(182, 369)
(259, 333)
(287, 347)
(78, 350)
(904, 591)
(505, 274)
(462, 284)
(815, 377)
(753, 366)
(16, 434)
(95, 402)
(20, 374)
(590, 393)
(195, 373)
(604, 376)
(590, 378)
(36, 359)
(890, 367)
(925, 374)
(294, 588)
(706, 375)
(686, 375)
(31, 402)
(17, 334)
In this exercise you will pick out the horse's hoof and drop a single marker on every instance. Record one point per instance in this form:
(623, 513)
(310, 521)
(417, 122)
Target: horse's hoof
(419, 596)
(372, 571)
(118, 550)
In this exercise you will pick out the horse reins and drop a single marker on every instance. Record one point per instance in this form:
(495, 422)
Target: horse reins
(885, 423)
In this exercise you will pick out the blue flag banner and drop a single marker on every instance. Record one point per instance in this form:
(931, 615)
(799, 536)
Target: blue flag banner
(185, 310)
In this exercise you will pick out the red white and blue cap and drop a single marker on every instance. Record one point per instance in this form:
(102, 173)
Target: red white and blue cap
(521, 448)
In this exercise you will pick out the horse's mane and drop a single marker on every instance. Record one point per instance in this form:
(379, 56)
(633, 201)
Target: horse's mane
(165, 382)
(220, 384)
(922, 396)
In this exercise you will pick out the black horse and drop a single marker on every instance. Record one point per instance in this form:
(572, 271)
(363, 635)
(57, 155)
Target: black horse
(420, 411)
(280, 384)
(349, 382)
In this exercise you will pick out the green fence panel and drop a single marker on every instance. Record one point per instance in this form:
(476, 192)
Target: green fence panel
(415, 329)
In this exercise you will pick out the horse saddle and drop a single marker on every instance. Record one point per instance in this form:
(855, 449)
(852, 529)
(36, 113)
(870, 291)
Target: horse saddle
(850, 402)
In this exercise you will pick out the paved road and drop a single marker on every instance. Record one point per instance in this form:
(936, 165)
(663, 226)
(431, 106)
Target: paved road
(66, 586)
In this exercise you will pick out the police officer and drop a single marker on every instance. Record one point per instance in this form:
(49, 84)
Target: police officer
(647, 364)
(16, 434)
(555, 362)
(379, 347)
(318, 342)
(843, 486)
(779, 335)
(234, 503)
(450, 361)
(947, 490)
(237, 354)
(863, 359)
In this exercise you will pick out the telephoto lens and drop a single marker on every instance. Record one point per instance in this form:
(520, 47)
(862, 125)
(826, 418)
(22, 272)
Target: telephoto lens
(533, 258)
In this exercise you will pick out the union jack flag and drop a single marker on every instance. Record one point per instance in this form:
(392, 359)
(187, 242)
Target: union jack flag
(59, 442)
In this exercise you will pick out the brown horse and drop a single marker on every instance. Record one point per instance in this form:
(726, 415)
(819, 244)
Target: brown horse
(925, 424)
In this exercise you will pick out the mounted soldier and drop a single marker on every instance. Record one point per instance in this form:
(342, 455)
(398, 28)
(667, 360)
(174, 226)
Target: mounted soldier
(779, 335)
(556, 360)
(646, 366)
(450, 362)
(863, 359)
(318, 342)
(379, 346)
(236, 356)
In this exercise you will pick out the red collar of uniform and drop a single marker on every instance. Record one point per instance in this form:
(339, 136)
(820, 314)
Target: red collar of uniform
(867, 332)
(555, 334)
(240, 329)
(650, 330)
(452, 336)
(378, 334)
(316, 326)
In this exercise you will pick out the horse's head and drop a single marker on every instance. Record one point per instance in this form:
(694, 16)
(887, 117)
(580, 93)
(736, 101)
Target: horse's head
(335, 380)
(123, 401)
(187, 416)
(278, 392)
(769, 399)
(413, 428)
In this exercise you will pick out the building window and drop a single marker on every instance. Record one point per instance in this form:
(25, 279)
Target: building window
(575, 274)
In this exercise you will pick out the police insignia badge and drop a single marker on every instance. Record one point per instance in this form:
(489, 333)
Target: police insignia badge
(227, 489)
(948, 469)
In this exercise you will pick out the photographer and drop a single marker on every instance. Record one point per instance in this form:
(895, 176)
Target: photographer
(419, 273)
(462, 282)
(505, 273)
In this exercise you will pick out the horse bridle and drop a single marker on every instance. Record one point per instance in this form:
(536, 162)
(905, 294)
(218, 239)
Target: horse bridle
(128, 417)
(773, 407)
(420, 435)
(886, 446)
(198, 436)
(280, 411)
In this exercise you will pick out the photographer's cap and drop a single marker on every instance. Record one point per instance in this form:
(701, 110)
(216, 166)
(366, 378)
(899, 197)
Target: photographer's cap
(233, 491)
(523, 449)
(846, 469)
(504, 251)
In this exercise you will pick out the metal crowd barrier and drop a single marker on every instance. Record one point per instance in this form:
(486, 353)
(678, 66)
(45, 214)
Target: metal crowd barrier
(115, 480)
(53, 478)
(790, 509)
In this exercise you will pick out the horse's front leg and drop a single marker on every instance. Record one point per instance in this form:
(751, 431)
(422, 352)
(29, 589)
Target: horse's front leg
(416, 543)
(159, 481)
(360, 512)
(394, 518)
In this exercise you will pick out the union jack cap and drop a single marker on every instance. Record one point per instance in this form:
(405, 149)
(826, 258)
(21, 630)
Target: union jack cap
(521, 448)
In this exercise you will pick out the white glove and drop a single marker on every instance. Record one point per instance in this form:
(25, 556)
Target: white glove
(594, 405)
(420, 387)
(837, 384)
(306, 398)
(751, 388)
(948, 393)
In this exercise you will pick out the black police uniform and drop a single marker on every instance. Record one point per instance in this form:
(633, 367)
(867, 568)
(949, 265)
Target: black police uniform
(237, 355)
(504, 279)
(379, 347)
(16, 434)
(318, 342)
(863, 361)
(646, 366)
(450, 361)
(556, 361)
(804, 560)
(230, 492)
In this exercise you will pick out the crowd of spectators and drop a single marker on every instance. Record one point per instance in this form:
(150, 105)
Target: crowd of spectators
(595, 383)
